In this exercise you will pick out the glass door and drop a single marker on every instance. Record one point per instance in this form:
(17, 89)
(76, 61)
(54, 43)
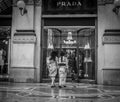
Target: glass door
(77, 43)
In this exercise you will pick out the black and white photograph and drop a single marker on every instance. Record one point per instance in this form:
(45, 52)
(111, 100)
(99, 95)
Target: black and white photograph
(59, 50)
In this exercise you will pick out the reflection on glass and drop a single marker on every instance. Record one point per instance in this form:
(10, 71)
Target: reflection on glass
(79, 45)
(50, 39)
(69, 39)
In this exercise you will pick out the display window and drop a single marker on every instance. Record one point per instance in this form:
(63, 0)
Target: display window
(79, 46)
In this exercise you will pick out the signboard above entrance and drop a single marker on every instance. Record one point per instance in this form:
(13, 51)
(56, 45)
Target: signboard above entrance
(69, 6)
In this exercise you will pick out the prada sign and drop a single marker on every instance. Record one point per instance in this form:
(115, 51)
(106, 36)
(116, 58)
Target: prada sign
(69, 6)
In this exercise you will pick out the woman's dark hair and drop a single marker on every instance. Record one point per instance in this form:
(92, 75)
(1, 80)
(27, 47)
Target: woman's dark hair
(62, 53)
(53, 55)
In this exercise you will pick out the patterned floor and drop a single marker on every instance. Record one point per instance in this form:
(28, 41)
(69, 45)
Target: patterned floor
(74, 92)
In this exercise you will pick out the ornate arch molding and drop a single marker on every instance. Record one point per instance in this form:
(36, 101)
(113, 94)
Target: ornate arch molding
(29, 2)
(103, 2)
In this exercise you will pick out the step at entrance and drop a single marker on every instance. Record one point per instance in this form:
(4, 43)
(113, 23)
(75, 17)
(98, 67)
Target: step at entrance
(87, 81)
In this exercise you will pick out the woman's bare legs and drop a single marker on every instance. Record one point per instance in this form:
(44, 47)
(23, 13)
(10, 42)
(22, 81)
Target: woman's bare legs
(52, 81)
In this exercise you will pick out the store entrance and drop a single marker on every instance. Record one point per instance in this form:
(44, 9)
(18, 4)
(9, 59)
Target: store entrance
(79, 45)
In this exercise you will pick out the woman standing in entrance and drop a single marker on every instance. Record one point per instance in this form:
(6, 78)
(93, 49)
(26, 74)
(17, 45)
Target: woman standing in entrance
(52, 67)
(63, 67)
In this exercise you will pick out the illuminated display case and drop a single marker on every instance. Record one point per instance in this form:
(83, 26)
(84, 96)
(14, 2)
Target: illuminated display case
(79, 43)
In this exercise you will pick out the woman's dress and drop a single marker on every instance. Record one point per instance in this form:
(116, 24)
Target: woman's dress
(52, 67)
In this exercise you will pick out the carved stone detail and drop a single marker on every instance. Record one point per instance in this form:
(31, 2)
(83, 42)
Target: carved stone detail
(111, 37)
(38, 2)
(103, 2)
(24, 36)
(29, 2)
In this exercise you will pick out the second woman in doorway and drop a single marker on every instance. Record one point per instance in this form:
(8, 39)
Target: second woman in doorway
(63, 67)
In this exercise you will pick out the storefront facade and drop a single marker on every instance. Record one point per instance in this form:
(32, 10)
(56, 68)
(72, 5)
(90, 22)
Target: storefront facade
(80, 28)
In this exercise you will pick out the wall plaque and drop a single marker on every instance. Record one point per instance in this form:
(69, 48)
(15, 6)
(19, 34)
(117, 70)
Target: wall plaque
(24, 36)
(23, 49)
(111, 37)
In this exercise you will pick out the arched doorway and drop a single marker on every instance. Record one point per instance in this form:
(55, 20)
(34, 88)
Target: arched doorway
(78, 43)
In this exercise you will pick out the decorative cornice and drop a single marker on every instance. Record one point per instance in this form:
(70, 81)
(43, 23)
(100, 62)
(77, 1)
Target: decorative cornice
(111, 36)
(103, 2)
(24, 36)
(38, 2)
(29, 2)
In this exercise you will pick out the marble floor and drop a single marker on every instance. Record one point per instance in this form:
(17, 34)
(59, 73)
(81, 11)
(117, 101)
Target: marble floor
(42, 92)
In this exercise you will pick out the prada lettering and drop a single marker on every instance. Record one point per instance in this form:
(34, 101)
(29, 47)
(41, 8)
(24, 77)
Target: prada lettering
(68, 4)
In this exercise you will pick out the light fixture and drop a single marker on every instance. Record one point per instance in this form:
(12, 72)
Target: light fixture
(116, 6)
(22, 7)
(69, 39)
(50, 39)
(87, 46)
(50, 46)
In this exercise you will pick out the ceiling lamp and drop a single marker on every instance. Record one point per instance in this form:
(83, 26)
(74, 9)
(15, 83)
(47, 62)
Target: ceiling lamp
(69, 39)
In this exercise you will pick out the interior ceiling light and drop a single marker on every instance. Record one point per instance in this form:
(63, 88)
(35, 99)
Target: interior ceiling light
(69, 39)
